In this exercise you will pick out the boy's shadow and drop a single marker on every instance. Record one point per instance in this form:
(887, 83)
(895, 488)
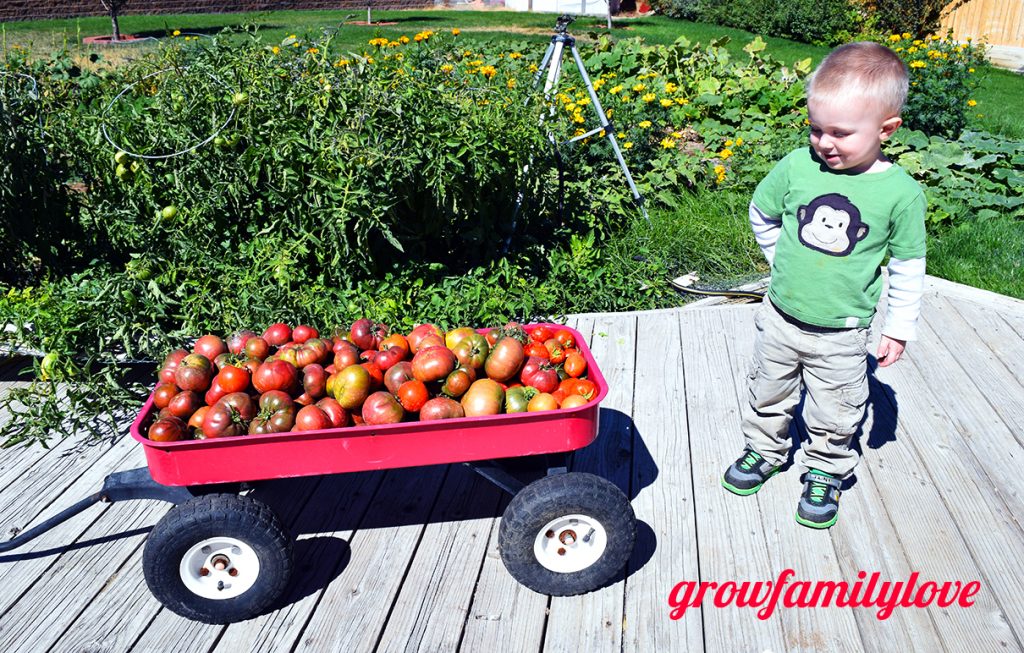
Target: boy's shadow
(882, 409)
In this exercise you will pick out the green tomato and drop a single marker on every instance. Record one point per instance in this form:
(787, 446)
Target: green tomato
(121, 172)
(239, 98)
(168, 212)
(121, 158)
(48, 365)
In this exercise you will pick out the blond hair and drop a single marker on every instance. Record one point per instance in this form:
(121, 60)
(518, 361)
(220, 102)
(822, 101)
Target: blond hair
(861, 70)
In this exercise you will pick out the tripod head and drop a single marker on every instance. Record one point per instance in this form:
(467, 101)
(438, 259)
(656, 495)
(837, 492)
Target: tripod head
(562, 23)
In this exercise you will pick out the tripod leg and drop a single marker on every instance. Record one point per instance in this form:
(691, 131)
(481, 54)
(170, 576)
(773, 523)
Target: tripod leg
(608, 131)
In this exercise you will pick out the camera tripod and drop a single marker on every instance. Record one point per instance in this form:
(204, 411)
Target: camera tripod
(552, 62)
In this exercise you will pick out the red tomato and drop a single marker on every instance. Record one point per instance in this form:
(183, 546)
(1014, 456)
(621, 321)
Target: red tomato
(433, 363)
(565, 338)
(337, 414)
(456, 383)
(314, 380)
(573, 401)
(398, 374)
(367, 334)
(312, 418)
(575, 365)
(277, 334)
(441, 408)
(412, 395)
(163, 393)
(537, 348)
(230, 416)
(171, 364)
(586, 389)
(276, 375)
(351, 386)
(541, 333)
(420, 332)
(555, 352)
(233, 379)
(256, 347)
(210, 346)
(167, 429)
(184, 404)
(376, 375)
(484, 397)
(382, 408)
(505, 359)
(302, 333)
(236, 341)
(194, 373)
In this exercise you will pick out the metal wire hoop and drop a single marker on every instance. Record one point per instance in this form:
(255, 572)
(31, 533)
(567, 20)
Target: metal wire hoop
(33, 93)
(106, 135)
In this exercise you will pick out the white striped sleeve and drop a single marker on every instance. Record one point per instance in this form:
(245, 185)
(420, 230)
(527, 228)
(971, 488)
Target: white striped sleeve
(906, 287)
(766, 231)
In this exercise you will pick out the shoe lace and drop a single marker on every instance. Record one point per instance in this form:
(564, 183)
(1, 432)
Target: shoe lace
(750, 460)
(819, 491)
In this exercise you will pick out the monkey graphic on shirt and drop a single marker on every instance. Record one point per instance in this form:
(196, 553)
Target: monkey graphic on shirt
(831, 224)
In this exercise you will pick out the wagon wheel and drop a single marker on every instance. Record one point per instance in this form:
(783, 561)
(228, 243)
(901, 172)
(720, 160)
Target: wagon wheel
(567, 534)
(218, 558)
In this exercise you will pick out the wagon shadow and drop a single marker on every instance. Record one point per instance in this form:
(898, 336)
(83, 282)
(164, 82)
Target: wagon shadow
(394, 505)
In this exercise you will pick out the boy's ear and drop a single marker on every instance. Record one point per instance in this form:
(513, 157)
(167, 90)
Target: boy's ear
(889, 126)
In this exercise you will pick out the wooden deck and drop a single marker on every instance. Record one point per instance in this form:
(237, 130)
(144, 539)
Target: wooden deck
(407, 559)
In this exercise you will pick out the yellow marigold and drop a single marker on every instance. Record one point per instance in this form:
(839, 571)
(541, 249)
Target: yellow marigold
(972, 103)
(621, 135)
(275, 49)
(894, 38)
(533, 68)
(294, 45)
(579, 132)
(649, 97)
(598, 84)
(626, 97)
(739, 141)
(578, 118)
(404, 39)
(615, 89)
(601, 133)
(476, 62)
(394, 44)
(488, 71)
(918, 64)
(342, 62)
(447, 68)
(510, 83)
(918, 42)
(644, 124)
(571, 107)
(905, 35)
(515, 55)
(970, 70)
(312, 50)
(681, 101)
(666, 102)
(583, 101)
(378, 42)
(729, 143)
(456, 31)
(671, 87)
(627, 145)
(668, 143)
(176, 32)
(911, 50)
(638, 88)
(935, 37)
(608, 113)
(725, 154)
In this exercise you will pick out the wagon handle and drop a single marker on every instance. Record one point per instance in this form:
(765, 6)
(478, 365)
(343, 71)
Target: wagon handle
(129, 484)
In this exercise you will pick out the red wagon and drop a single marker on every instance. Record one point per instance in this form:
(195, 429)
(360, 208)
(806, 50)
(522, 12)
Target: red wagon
(221, 556)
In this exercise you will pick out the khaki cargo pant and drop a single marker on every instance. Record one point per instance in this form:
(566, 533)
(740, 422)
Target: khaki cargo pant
(831, 366)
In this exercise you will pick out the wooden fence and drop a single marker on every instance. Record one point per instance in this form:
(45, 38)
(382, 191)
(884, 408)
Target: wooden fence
(999, 22)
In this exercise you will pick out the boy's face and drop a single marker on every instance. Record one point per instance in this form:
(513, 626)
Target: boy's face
(849, 136)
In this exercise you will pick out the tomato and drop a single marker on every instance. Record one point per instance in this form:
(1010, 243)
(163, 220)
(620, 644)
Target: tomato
(302, 333)
(170, 365)
(455, 336)
(505, 359)
(311, 351)
(575, 365)
(276, 414)
(412, 395)
(456, 383)
(493, 335)
(543, 401)
(256, 347)
(233, 379)
(472, 350)
(351, 386)
(388, 358)
(215, 392)
(433, 363)
(183, 404)
(382, 408)
(276, 375)
(420, 332)
(277, 334)
(586, 389)
(441, 408)
(250, 365)
(168, 429)
(517, 398)
(194, 373)
(195, 423)
(312, 418)
(574, 401)
(210, 346)
(565, 338)
(345, 354)
(236, 341)
(398, 374)
(393, 341)
(539, 374)
(230, 416)
(163, 393)
(559, 395)
(555, 352)
(541, 333)
(430, 340)
(534, 348)
(484, 397)
(376, 375)
(337, 414)
(314, 380)
(367, 334)
(568, 385)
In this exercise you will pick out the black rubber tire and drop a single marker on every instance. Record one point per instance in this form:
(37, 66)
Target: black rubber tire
(550, 498)
(218, 515)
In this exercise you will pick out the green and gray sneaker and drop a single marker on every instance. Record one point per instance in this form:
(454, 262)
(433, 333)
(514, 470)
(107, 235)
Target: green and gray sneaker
(748, 473)
(819, 503)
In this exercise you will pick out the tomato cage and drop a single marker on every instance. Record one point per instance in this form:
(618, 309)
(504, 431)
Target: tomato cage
(221, 555)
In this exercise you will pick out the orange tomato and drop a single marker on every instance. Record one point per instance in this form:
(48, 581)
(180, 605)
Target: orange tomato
(542, 401)
(575, 365)
(412, 395)
(573, 401)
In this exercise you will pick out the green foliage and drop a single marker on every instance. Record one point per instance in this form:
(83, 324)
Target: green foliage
(821, 22)
(943, 79)
(919, 18)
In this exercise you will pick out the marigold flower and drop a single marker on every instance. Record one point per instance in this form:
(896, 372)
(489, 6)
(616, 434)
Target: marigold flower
(456, 31)
(649, 97)
(668, 143)
(972, 103)
(615, 89)
(918, 64)
(739, 141)
(176, 32)
(729, 143)
(488, 71)
(681, 101)
(313, 50)
(894, 38)
(621, 135)
(725, 154)
(627, 145)
(665, 102)
(510, 84)
(638, 87)
(515, 55)
(404, 39)
(671, 87)
(447, 68)
(533, 68)
(905, 35)
(644, 124)
(275, 49)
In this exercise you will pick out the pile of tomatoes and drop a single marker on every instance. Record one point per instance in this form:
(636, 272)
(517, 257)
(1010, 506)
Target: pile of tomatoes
(289, 379)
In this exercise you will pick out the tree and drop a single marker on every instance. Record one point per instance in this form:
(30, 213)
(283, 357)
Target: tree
(113, 8)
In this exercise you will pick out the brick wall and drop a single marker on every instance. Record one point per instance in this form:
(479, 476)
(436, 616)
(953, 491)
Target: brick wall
(39, 9)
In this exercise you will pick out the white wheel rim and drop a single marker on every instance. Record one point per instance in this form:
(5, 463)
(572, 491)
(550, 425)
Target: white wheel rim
(219, 568)
(570, 543)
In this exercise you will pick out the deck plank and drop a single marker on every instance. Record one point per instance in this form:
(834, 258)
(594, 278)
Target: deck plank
(594, 621)
(809, 553)
(666, 550)
(731, 538)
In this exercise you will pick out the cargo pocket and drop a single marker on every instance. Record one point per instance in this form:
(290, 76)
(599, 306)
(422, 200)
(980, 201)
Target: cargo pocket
(853, 397)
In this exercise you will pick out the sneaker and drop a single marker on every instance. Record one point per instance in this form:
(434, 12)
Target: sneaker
(748, 473)
(819, 503)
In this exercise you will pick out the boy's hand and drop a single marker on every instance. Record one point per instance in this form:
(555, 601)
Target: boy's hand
(889, 351)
